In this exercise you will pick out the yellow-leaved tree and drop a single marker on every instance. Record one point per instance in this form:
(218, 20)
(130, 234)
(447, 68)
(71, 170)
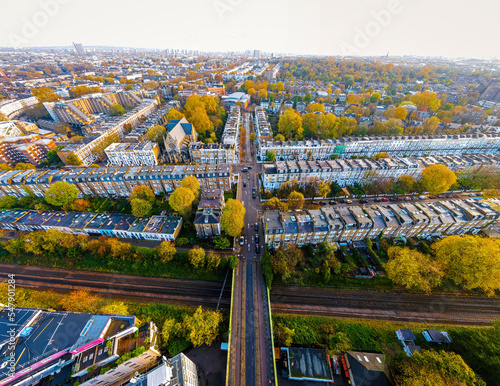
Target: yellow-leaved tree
(472, 262)
(412, 269)
(233, 217)
(437, 178)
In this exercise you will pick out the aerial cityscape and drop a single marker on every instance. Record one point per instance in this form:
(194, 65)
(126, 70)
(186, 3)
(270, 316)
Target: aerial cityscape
(229, 193)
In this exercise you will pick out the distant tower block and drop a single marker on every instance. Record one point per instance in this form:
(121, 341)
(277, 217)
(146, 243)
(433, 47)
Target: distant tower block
(79, 49)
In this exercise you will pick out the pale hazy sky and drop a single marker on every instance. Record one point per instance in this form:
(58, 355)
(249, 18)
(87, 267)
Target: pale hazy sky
(322, 27)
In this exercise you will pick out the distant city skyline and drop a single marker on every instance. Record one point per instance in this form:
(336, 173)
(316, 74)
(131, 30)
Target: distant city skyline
(315, 27)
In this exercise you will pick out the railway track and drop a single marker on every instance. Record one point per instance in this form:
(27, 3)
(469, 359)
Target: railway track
(117, 286)
(389, 306)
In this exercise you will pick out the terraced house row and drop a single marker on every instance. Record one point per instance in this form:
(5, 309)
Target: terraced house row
(350, 171)
(162, 228)
(356, 223)
(115, 181)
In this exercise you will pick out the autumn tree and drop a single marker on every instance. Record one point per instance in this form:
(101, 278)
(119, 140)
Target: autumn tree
(61, 194)
(472, 262)
(233, 217)
(174, 114)
(253, 136)
(80, 205)
(170, 329)
(290, 125)
(156, 133)
(117, 109)
(115, 308)
(202, 327)
(141, 208)
(166, 251)
(436, 368)
(274, 203)
(181, 200)
(283, 335)
(24, 166)
(430, 125)
(380, 155)
(406, 183)
(72, 159)
(437, 178)
(284, 261)
(192, 183)
(81, 301)
(295, 201)
(213, 260)
(196, 256)
(412, 269)
(142, 192)
(316, 107)
(324, 188)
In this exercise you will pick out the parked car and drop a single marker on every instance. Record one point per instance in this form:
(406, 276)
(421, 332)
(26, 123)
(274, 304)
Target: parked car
(257, 238)
(423, 197)
(256, 226)
(242, 240)
(400, 198)
(257, 249)
(342, 200)
(254, 193)
(249, 166)
(348, 201)
(407, 198)
(455, 196)
(363, 201)
(314, 202)
(323, 203)
(377, 199)
(333, 202)
(385, 199)
(472, 195)
(244, 184)
(392, 198)
(244, 170)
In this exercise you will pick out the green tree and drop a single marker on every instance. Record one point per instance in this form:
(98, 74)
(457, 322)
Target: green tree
(181, 200)
(156, 133)
(61, 194)
(406, 183)
(141, 208)
(472, 262)
(196, 256)
(295, 201)
(170, 329)
(437, 178)
(202, 327)
(375, 97)
(232, 261)
(166, 251)
(233, 217)
(8, 202)
(213, 261)
(412, 269)
(270, 156)
(283, 335)
(72, 159)
(117, 109)
(221, 242)
(142, 192)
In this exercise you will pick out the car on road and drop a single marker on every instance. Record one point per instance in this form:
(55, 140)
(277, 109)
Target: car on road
(254, 193)
(256, 226)
(333, 202)
(257, 238)
(242, 240)
(249, 166)
(385, 199)
(257, 249)
(244, 184)
(244, 170)
(348, 201)
(363, 201)
(323, 203)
